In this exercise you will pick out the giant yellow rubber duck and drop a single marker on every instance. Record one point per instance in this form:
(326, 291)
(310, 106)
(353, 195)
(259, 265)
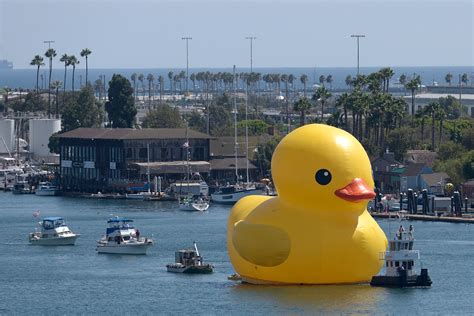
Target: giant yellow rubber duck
(318, 230)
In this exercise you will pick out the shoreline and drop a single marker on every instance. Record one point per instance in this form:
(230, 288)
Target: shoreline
(430, 218)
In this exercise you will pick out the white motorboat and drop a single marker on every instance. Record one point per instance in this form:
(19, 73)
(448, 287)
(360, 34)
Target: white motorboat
(54, 232)
(232, 193)
(137, 196)
(46, 189)
(122, 238)
(193, 203)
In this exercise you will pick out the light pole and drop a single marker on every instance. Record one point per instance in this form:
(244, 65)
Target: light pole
(357, 36)
(49, 43)
(251, 38)
(187, 60)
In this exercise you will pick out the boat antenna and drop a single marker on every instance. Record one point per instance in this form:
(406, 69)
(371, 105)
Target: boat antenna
(196, 248)
(236, 145)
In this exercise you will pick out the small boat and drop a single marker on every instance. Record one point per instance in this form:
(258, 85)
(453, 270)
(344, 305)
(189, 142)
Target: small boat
(399, 263)
(193, 203)
(46, 189)
(122, 238)
(22, 187)
(54, 232)
(232, 193)
(189, 261)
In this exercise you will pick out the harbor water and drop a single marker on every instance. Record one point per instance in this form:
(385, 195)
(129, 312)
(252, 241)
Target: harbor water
(77, 280)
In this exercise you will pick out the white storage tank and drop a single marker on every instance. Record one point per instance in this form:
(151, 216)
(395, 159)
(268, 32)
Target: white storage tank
(40, 132)
(7, 136)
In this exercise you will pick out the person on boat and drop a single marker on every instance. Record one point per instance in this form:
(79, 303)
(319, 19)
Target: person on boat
(137, 234)
(401, 230)
(411, 230)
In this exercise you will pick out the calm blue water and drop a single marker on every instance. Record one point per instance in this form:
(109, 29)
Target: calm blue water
(26, 78)
(76, 280)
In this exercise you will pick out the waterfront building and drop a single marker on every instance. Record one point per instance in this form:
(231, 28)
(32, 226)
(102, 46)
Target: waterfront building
(105, 160)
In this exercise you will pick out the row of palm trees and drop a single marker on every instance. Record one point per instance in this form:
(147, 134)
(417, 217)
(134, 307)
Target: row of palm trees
(449, 77)
(68, 60)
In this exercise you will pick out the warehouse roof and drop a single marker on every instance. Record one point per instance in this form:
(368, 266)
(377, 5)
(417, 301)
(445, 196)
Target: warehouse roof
(130, 133)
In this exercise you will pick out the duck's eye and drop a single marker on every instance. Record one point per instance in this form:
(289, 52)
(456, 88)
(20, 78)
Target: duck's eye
(323, 176)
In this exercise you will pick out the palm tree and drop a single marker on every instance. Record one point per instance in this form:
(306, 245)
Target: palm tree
(448, 78)
(65, 59)
(413, 85)
(141, 78)
(344, 101)
(55, 85)
(302, 106)
(73, 62)
(329, 80)
(170, 77)
(150, 79)
(464, 79)
(38, 62)
(85, 53)
(321, 95)
(50, 54)
(349, 81)
(386, 74)
(134, 80)
(161, 80)
(421, 115)
(304, 81)
(322, 79)
(433, 108)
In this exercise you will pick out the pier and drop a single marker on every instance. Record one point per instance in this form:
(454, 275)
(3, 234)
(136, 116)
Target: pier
(466, 218)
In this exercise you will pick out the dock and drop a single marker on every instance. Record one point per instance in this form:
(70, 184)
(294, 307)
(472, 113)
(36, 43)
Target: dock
(466, 218)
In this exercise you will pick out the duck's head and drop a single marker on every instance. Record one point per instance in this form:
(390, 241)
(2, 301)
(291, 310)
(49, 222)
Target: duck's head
(320, 167)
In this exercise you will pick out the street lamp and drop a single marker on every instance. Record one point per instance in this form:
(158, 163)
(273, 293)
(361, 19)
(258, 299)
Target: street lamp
(357, 36)
(187, 60)
(251, 38)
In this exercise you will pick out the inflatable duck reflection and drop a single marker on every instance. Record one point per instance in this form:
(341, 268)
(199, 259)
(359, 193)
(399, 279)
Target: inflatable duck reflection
(318, 230)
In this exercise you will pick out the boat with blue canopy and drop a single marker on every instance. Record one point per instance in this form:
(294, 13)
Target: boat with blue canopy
(53, 232)
(121, 237)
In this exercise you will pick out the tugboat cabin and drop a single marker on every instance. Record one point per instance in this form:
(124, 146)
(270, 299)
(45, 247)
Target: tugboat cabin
(401, 257)
(188, 257)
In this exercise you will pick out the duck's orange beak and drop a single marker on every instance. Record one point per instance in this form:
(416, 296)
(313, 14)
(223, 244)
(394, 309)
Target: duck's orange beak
(356, 191)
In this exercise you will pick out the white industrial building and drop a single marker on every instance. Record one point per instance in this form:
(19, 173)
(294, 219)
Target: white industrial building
(40, 130)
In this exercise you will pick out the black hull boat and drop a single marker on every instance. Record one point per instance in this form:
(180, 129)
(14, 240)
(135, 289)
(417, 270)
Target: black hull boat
(402, 280)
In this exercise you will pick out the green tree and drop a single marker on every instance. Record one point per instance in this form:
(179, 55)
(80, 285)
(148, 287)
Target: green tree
(65, 59)
(82, 110)
(120, 107)
(53, 143)
(37, 61)
(85, 53)
(302, 105)
(322, 79)
(255, 127)
(450, 150)
(322, 95)
(329, 80)
(413, 85)
(73, 62)
(464, 79)
(304, 81)
(400, 140)
(33, 103)
(196, 121)
(448, 78)
(55, 85)
(163, 117)
(263, 156)
(50, 54)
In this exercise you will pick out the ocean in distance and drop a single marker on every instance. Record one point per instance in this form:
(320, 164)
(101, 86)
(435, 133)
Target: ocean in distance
(26, 78)
(77, 280)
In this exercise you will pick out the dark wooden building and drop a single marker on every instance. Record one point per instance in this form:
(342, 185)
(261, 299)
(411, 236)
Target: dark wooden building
(98, 159)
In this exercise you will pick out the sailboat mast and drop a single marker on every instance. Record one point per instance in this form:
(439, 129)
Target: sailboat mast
(236, 145)
(247, 131)
(148, 165)
(187, 156)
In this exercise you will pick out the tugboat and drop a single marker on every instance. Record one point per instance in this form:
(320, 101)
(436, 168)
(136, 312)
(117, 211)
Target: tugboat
(54, 232)
(122, 238)
(399, 263)
(189, 261)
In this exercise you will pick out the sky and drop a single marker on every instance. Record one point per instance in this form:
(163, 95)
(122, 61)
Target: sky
(290, 33)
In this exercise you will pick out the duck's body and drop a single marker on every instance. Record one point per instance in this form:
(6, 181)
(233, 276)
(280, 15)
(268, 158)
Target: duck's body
(317, 240)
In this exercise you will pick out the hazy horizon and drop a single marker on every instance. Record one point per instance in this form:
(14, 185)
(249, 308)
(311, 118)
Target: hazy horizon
(147, 34)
